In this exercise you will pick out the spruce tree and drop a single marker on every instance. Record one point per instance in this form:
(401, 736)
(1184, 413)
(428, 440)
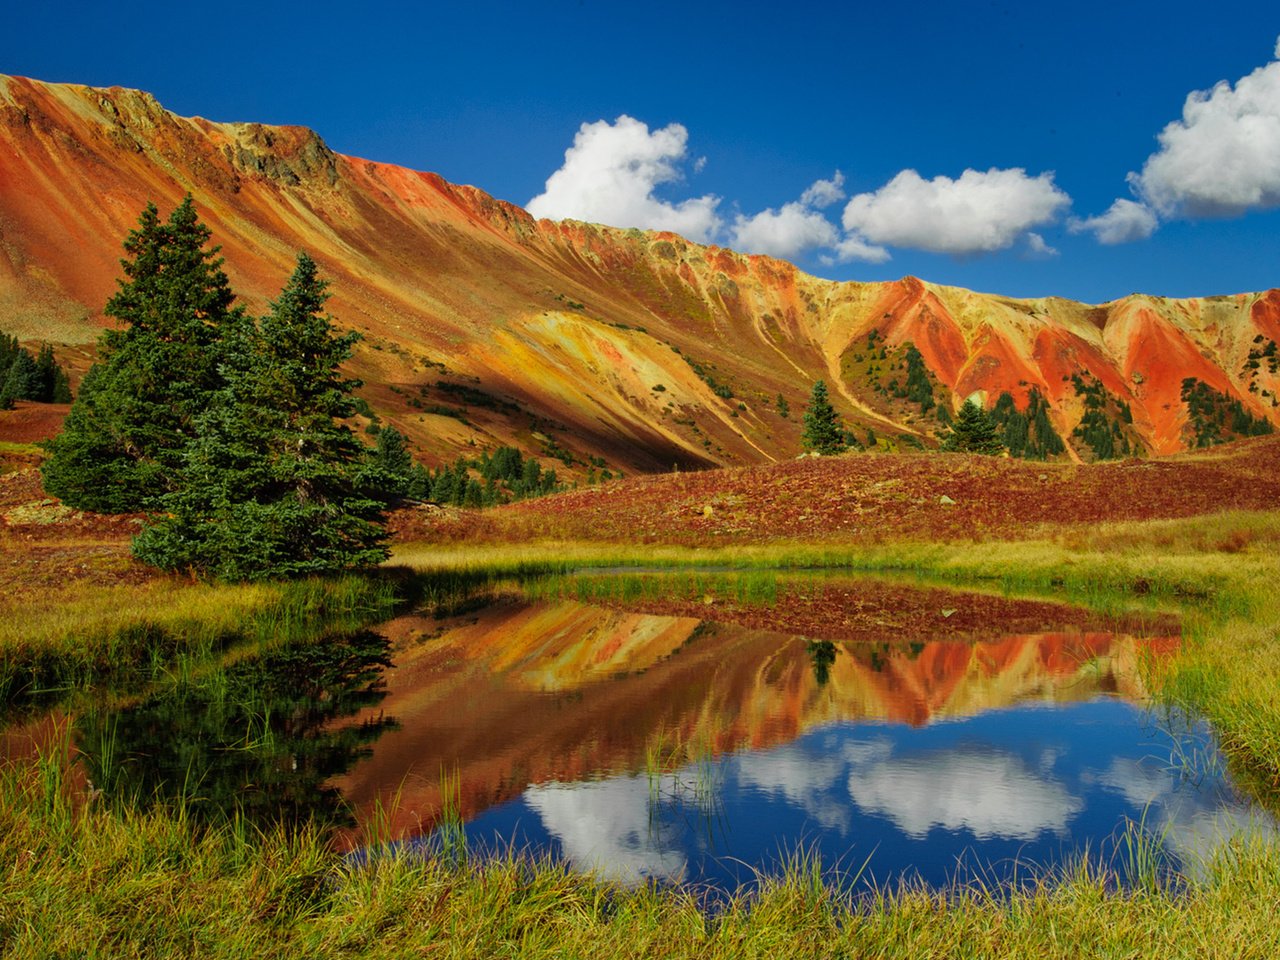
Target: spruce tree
(391, 459)
(822, 431)
(274, 485)
(124, 440)
(21, 381)
(973, 432)
(54, 385)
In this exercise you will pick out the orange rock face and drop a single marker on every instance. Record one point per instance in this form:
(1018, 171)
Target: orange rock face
(571, 326)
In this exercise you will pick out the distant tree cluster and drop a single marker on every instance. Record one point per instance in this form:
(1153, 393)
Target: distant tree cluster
(1215, 417)
(1027, 433)
(973, 431)
(919, 388)
(223, 426)
(1100, 427)
(24, 377)
(503, 476)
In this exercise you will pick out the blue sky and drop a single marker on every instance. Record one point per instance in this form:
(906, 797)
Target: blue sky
(736, 110)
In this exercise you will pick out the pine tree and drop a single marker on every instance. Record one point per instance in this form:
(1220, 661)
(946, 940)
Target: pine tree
(9, 350)
(973, 432)
(822, 431)
(124, 440)
(392, 461)
(274, 485)
(54, 385)
(21, 381)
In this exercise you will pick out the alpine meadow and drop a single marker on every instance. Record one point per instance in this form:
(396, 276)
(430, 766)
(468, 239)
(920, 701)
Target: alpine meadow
(656, 567)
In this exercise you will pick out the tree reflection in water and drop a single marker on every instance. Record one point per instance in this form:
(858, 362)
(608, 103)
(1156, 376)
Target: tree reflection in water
(258, 739)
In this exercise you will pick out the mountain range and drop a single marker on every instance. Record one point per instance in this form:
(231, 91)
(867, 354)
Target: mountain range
(598, 346)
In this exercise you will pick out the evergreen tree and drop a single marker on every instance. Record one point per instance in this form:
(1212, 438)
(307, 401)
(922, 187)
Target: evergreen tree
(54, 385)
(9, 350)
(124, 440)
(273, 485)
(21, 381)
(973, 432)
(392, 461)
(822, 431)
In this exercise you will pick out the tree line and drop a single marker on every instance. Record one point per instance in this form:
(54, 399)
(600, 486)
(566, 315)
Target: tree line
(26, 377)
(1025, 433)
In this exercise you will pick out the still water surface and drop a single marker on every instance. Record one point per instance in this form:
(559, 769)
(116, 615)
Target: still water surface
(678, 748)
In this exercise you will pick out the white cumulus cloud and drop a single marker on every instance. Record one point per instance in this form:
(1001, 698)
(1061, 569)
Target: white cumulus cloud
(1037, 246)
(610, 174)
(854, 247)
(785, 233)
(794, 228)
(823, 193)
(987, 792)
(1124, 222)
(976, 213)
(1223, 156)
(608, 827)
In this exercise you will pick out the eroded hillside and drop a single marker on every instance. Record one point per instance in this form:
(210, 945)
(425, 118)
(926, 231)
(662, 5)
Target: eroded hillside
(636, 350)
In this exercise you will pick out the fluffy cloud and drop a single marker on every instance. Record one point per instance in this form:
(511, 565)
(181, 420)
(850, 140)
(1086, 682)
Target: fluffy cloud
(823, 193)
(796, 227)
(804, 777)
(608, 827)
(612, 170)
(1038, 248)
(1223, 157)
(985, 791)
(855, 248)
(977, 213)
(785, 233)
(1124, 222)
(610, 174)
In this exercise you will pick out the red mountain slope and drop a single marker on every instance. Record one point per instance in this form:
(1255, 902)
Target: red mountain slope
(600, 341)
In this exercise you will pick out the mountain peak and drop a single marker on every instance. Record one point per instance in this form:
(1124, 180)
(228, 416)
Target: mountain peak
(639, 349)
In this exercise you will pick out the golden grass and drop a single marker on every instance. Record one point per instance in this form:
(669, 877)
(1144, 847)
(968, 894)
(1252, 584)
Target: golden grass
(95, 882)
(82, 634)
(100, 883)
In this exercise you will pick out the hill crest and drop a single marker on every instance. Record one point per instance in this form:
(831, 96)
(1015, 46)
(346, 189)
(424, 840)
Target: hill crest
(597, 344)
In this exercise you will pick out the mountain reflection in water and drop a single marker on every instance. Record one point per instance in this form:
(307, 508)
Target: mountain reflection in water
(676, 748)
(670, 747)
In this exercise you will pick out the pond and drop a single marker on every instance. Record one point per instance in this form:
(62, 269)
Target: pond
(692, 736)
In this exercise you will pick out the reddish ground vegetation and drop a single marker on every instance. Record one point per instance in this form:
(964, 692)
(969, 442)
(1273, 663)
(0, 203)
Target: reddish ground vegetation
(32, 422)
(868, 498)
(873, 611)
(45, 545)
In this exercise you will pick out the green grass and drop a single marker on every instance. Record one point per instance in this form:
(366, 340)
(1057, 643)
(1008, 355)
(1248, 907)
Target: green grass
(130, 633)
(95, 883)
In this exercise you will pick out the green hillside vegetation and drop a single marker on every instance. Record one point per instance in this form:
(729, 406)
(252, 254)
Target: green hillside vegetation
(823, 433)
(1101, 428)
(898, 378)
(505, 476)
(1027, 433)
(24, 377)
(1214, 417)
(1263, 352)
(974, 431)
(704, 373)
